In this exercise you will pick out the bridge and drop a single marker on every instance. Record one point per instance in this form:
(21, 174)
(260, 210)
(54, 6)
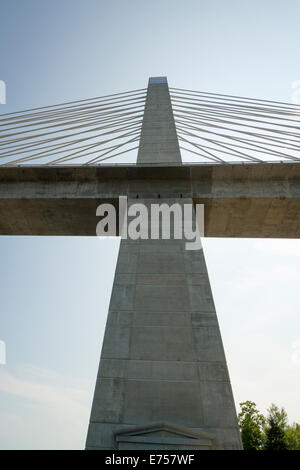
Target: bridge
(163, 382)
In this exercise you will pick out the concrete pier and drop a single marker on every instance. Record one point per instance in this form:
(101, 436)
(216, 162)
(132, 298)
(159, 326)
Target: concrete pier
(163, 381)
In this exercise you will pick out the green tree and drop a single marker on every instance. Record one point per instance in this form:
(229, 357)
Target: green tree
(276, 424)
(251, 423)
(292, 437)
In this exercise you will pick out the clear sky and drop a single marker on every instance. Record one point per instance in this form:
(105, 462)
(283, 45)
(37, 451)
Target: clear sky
(54, 292)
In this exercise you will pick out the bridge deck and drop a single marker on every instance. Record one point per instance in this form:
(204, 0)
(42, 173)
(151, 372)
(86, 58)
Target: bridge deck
(241, 200)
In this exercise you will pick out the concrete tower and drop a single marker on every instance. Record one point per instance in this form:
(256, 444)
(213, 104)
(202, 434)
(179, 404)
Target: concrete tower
(163, 381)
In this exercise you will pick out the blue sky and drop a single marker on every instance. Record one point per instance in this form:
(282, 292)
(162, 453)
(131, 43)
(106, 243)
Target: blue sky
(55, 291)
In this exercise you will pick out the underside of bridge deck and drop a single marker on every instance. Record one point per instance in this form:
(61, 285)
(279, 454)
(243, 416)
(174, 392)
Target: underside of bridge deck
(241, 200)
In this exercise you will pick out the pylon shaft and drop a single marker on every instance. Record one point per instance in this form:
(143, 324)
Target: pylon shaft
(163, 381)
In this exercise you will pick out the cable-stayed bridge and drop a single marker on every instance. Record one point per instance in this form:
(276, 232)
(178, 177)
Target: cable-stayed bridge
(211, 128)
(163, 382)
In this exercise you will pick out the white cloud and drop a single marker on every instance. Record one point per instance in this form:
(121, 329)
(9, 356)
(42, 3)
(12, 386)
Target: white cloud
(58, 414)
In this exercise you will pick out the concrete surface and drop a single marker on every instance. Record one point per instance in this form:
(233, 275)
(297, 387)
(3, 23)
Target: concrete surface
(240, 200)
(162, 356)
(158, 143)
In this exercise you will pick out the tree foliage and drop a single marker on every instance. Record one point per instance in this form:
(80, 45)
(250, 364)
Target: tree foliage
(267, 433)
(251, 423)
(292, 437)
(275, 429)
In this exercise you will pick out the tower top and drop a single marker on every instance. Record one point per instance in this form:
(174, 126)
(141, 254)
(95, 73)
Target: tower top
(157, 80)
(158, 141)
